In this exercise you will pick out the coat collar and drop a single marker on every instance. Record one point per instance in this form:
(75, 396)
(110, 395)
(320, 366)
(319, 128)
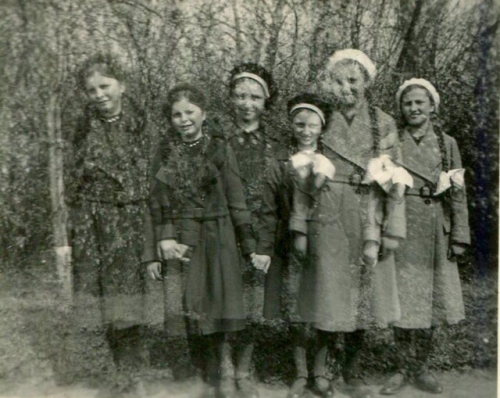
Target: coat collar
(422, 159)
(352, 141)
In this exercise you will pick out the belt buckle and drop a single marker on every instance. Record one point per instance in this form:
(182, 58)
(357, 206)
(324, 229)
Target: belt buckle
(355, 179)
(425, 191)
(426, 194)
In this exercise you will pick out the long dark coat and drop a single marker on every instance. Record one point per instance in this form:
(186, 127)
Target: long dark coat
(337, 292)
(428, 281)
(107, 189)
(198, 200)
(256, 152)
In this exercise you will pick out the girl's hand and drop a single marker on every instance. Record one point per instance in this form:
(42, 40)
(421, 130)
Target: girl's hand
(456, 250)
(370, 253)
(300, 243)
(389, 245)
(168, 249)
(184, 253)
(154, 270)
(261, 262)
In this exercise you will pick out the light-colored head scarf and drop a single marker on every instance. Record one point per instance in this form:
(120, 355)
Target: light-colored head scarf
(421, 83)
(355, 55)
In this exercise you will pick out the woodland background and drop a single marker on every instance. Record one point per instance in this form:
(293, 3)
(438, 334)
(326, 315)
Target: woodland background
(452, 43)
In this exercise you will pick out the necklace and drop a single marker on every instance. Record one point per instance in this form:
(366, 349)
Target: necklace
(111, 119)
(193, 143)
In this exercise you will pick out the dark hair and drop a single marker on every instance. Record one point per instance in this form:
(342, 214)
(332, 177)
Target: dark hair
(259, 71)
(313, 99)
(437, 128)
(105, 64)
(184, 91)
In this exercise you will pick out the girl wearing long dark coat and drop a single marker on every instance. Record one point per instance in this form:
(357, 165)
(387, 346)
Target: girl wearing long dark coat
(354, 295)
(438, 231)
(308, 115)
(255, 143)
(199, 215)
(108, 192)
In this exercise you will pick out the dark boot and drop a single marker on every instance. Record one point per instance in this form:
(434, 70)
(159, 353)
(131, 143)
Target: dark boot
(130, 358)
(427, 382)
(423, 379)
(400, 354)
(353, 342)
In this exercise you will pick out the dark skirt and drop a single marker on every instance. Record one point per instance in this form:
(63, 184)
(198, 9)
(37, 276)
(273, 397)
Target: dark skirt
(205, 295)
(108, 276)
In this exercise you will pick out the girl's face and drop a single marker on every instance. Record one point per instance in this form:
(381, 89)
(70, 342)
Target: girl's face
(248, 100)
(307, 128)
(346, 82)
(187, 119)
(416, 106)
(105, 93)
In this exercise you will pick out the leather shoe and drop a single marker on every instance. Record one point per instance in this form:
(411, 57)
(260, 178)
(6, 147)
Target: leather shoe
(427, 382)
(393, 385)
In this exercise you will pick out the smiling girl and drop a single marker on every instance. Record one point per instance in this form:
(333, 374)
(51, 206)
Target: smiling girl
(108, 194)
(199, 214)
(438, 233)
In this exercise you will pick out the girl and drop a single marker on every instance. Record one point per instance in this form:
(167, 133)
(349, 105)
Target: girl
(199, 214)
(438, 232)
(252, 92)
(306, 170)
(108, 191)
(353, 220)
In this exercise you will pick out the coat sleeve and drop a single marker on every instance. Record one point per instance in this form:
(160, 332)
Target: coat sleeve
(161, 212)
(460, 232)
(235, 196)
(269, 210)
(386, 212)
(149, 252)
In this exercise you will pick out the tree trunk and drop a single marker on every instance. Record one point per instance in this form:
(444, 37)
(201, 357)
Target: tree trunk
(59, 210)
(408, 58)
(272, 47)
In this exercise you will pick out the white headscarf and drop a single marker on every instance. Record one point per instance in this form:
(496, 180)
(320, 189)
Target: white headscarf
(355, 55)
(422, 83)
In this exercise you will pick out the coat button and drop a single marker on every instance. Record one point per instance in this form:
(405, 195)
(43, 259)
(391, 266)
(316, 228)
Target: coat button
(427, 201)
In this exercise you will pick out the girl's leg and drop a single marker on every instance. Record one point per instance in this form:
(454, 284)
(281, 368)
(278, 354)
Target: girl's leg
(299, 341)
(244, 347)
(401, 356)
(130, 358)
(353, 342)
(423, 346)
(223, 348)
(322, 384)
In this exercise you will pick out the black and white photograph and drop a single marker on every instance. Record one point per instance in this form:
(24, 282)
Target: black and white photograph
(249, 198)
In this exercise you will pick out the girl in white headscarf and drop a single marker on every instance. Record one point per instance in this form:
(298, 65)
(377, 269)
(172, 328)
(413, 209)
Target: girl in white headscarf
(438, 232)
